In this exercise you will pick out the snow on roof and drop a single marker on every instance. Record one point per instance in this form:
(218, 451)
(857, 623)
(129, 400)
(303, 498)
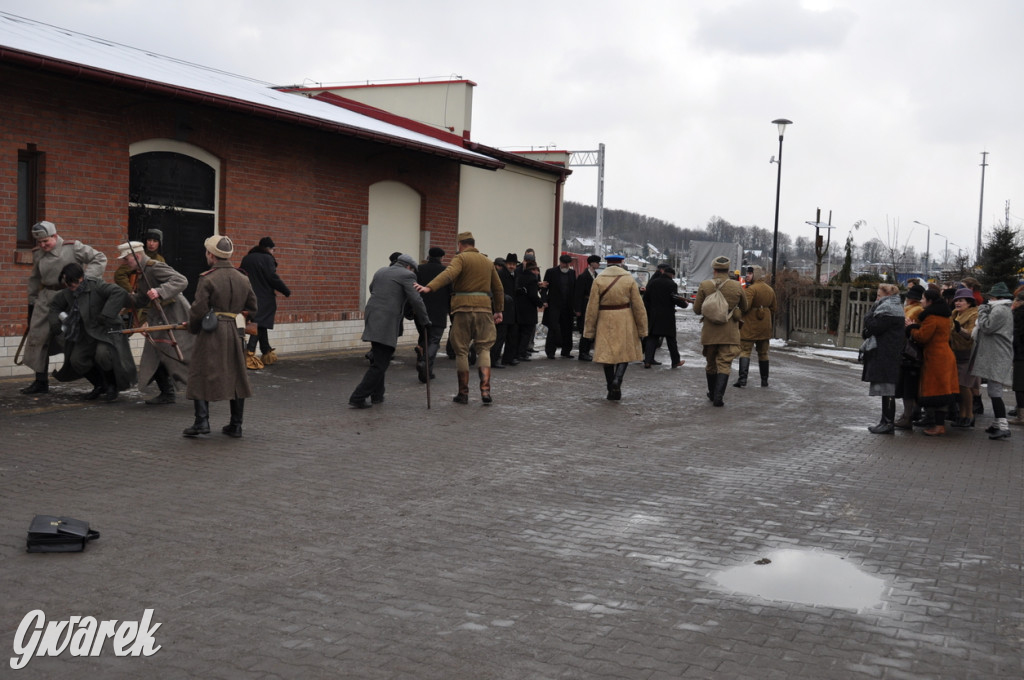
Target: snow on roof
(53, 43)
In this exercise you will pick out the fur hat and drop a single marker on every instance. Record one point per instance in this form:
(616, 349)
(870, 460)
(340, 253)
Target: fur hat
(44, 229)
(267, 242)
(720, 262)
(219, 246)
(155, 234)
(915, 292)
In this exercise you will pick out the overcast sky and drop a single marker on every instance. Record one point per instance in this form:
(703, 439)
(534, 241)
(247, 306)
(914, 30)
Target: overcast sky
(892, 101)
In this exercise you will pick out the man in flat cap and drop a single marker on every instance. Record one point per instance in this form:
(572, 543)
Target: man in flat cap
(51, 255)
(584, 282)
(721, 339)
(478, 300)
(391, 289)
(216, 371)
(155, 283)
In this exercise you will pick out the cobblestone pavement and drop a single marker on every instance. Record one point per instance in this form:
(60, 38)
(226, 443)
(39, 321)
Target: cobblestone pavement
(552, 535)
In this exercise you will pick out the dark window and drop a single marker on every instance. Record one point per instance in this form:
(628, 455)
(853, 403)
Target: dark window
(174, 193)
(30, 163)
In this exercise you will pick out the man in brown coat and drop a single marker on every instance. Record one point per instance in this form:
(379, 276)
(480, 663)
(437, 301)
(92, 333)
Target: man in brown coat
(478, 299)
(217, 370)
(757, 326)
(721, 341)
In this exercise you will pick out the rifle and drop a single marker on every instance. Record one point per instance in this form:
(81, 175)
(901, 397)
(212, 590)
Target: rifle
(149, 329)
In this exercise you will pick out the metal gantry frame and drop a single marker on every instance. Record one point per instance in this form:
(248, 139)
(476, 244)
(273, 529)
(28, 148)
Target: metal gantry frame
(591, 159)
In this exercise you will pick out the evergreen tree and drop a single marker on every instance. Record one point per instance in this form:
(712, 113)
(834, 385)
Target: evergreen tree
(1002, 257)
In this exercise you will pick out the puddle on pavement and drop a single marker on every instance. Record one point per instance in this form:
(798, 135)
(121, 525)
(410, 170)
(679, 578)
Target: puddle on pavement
(804, 576)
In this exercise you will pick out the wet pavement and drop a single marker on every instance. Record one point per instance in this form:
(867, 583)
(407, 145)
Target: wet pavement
(554, 534)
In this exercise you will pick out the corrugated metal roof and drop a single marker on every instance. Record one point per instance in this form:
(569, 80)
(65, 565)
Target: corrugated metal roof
(47, 47)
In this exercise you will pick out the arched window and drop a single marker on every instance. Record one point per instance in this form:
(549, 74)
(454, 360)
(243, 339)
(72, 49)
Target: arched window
(173, 187)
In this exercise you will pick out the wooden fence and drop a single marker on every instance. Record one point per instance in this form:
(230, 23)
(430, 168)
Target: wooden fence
(831, 315)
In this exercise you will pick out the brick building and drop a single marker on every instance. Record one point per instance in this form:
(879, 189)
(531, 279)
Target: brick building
(106, 141)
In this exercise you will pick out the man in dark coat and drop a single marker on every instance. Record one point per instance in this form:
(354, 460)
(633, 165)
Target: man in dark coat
(509, 356)
(581, 296)
(499, 348)
(438, 305)
(216, 370)
(391, 288)
(82, 314)
(557, 290)
(527, 303)
(261, 266)
(661, 299)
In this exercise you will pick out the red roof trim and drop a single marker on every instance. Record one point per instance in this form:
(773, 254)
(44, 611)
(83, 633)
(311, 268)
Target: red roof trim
(515, 158)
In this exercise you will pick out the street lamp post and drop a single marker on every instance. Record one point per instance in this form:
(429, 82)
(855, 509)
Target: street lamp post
(782, 123)
(927, 249)
(945, 253)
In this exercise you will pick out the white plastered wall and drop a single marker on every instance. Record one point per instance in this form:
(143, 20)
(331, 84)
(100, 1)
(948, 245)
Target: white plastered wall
(394, 225)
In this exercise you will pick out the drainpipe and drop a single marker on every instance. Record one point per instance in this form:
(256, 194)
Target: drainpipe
(559, 185)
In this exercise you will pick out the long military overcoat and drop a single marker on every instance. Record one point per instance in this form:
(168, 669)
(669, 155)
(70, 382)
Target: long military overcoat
(617, 329)
(158, 348)
(216, 371)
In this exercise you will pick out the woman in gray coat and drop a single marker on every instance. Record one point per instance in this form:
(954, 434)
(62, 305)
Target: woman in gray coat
(992, 357)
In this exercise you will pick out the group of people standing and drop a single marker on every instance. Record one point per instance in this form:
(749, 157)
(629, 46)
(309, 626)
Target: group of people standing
(935, 350)
(192, 346)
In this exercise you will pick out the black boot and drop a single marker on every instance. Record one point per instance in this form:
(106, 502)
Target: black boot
(763, 367)
(95, 377)
(609, 376)
(712, 379)
(744, 369)
(109, 387)
(166, 385)
(721, 382)
(234, 427)
(615, 386)
(977, 405)
(41, 385)
(887, 424)
(202, 423)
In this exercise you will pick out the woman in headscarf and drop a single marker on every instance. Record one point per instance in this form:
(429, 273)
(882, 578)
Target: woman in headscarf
(939, 387)
(883, 344)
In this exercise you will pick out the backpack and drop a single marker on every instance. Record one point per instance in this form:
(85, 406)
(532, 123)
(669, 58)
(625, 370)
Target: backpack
(716, 308)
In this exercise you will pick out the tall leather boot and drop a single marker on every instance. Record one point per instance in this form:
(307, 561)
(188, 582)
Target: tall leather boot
(609, 376)
(463, 396)
(744, 369)
(721, 382)
(41, 385)
(109, 386)
(202, 423)
(485, 384)
(762, 366)
(886, 425)
(712, 379)
(615, 387)
(234, 426)
(166, 385)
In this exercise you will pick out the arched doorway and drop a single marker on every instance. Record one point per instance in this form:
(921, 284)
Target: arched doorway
(394, 224)
(173, 187)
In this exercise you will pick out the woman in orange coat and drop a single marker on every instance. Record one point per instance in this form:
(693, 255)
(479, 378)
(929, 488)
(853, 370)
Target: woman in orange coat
(939, 386)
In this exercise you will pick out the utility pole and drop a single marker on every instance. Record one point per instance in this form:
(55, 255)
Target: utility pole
(981, 207)
(594, 158)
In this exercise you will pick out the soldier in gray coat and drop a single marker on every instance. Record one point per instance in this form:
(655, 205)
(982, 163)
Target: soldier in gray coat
(157, 283)
(390, 289)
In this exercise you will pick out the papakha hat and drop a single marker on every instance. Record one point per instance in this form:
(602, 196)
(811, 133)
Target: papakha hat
(720, 262)
(44, 229)
(219, 246)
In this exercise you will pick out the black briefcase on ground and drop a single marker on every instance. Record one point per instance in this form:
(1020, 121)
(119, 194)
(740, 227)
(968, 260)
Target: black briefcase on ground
(49, 534)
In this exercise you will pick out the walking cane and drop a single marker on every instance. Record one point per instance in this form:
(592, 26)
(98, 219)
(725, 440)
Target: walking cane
(426, 363)
(156, 303)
